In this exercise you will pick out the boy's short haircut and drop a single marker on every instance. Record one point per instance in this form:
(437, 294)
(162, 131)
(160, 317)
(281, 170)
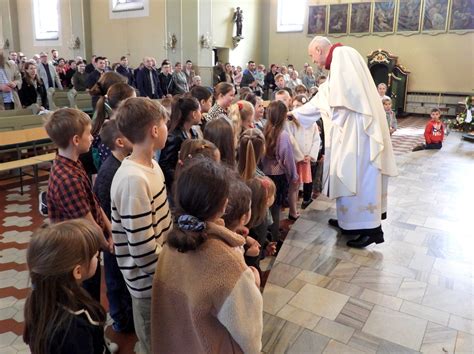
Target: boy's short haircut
(386, 99)
(136, 115)
(436, 110)
(109, 133)
(64, 124)
(284, 92)
(278, 76)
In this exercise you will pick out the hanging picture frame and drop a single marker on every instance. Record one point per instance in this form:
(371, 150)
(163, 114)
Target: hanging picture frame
(461, 16)
(409, 17)
(360, 18)
(317, 19)
(435, 16)
(383, 21)
(338, 18)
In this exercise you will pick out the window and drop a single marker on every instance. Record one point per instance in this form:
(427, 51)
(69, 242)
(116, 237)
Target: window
(290, 15)
(46, 15)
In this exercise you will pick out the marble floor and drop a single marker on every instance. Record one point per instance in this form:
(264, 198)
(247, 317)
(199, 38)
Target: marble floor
(413, 293)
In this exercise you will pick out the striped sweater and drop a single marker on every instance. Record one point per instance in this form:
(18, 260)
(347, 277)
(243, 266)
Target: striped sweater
(140, 218)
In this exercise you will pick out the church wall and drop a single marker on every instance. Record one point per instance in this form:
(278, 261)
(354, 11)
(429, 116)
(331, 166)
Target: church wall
(438, 63)
(223, 29)
(135, 37)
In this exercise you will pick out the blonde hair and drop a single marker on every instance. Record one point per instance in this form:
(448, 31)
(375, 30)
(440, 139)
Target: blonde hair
(240, 112)
(251, 150)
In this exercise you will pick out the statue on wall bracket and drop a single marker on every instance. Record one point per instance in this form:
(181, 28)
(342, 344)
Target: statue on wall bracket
(238, 19)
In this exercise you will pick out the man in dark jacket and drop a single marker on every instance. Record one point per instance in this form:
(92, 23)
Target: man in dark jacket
(94, 76)
(166, 79)
(148, 83)
(123, 69)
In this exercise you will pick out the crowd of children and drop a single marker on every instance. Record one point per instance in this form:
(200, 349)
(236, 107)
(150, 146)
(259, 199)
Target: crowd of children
(185, 205)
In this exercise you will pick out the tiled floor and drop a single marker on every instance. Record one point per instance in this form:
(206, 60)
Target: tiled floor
(413, 293)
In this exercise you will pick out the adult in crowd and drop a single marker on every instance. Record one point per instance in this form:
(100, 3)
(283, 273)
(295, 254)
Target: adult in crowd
(54, 57)
(125, 70)
(10, 82)
(48, 73)
(309, 80)
(166, 79)
(32, 88)
(189, 72)
(79, 78)
(91, 66)
(148, 83)
(361, 156)
(179, 79)
(270, 79)
(99, 70)
(70, 71)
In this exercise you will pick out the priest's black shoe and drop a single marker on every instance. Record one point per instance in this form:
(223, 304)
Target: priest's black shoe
(365, 240)
(334, 223)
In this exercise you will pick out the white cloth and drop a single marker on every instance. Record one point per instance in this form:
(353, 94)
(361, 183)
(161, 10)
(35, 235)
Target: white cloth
(359, 153)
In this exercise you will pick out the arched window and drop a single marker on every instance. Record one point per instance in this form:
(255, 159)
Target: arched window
(46, 16)
(290, 16)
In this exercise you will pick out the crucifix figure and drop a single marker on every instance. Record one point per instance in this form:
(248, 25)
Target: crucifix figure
(238, 17)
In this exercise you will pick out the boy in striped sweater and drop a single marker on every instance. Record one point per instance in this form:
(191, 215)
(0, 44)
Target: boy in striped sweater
(140, 212)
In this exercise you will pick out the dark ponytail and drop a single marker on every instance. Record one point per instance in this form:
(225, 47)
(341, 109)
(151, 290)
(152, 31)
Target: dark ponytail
(198, 200)
(182, 107)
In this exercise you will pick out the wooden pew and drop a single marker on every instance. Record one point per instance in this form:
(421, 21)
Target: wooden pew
(21, 122)
(16, 141)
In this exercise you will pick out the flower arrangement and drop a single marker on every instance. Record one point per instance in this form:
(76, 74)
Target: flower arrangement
(464, 120)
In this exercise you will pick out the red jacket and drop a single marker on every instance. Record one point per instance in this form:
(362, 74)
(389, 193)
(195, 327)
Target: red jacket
(434, 132)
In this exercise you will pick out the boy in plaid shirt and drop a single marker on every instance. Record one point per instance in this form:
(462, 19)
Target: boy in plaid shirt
(70, 193)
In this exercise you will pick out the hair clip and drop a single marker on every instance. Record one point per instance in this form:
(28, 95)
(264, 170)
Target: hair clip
(241, 106)
(265, 183)
(304, 100)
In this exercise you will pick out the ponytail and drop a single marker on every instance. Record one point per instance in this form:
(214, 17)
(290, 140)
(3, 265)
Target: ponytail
(100, 116)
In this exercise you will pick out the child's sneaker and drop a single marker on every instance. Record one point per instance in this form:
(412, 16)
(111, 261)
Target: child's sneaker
(43, 205)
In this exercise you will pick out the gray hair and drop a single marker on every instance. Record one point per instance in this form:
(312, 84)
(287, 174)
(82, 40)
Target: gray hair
(320, 41)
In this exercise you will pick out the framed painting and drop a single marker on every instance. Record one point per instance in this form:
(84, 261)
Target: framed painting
(462, 15)
(338, 16)
(435, 16)
(409, 16)
(384, 17)
(317, 19)
(360, 18)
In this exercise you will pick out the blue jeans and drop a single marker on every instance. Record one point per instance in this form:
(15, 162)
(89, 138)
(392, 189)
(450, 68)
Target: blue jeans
(120, 302)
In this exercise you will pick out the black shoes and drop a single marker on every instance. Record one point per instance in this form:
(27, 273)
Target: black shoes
(305, 203)
(334, 223)
(365, 240)
(418, 148)
(293, 218)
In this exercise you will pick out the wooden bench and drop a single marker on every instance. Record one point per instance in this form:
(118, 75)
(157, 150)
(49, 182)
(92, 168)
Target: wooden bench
(21, 122)
(58, 99)
(81, 100)
(13, 142)
(16, 112)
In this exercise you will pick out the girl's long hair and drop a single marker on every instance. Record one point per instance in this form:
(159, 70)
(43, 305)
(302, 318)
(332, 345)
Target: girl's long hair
(181, 110)
(220, 132)
(27, 77)
(115, 94)
(251, 150)
(54, 251)
(276, 117)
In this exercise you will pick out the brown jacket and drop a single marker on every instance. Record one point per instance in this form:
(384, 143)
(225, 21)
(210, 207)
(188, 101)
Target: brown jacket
(206, 301)
(13, 74)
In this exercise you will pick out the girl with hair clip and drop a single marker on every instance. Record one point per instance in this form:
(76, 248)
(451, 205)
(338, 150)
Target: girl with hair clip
(279, 161)
(104, 110)
(263, 195)
(204, 295)
(250, 152)
(241, 115)
(193, 148)
(60, 316)
(308, 142)
(220, 132)
(185, 112)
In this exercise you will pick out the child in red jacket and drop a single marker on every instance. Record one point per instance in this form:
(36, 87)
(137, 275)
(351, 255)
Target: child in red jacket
(434, 132)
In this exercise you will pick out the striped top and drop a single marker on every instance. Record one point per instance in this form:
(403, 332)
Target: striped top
(140, 219)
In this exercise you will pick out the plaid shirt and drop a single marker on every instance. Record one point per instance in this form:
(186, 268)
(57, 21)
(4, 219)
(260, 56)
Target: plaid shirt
(70, 193)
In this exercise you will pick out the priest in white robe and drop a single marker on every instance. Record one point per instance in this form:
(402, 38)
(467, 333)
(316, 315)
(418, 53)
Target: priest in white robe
(359, 156)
